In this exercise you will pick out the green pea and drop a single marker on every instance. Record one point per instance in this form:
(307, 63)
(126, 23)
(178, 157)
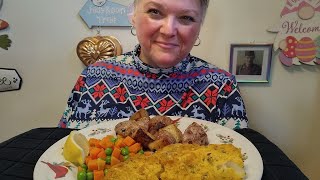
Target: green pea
(82, 175)
(82, 170)
(124, 151)
(84, 166)
(114, 139)
(141, 152)
(126, 157)
(105, 171)
(89, 175)
(108, 151)
(108, 159)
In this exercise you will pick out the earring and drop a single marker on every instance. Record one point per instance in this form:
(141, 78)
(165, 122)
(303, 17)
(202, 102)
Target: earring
(133, 29)
(198, 42)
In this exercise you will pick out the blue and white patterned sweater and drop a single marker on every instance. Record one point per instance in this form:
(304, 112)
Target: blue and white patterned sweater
(119, 86)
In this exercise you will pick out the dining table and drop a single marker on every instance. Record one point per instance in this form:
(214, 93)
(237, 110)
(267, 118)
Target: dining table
(19, 154)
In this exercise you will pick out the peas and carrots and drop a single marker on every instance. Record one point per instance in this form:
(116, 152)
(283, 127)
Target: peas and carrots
(105, 153)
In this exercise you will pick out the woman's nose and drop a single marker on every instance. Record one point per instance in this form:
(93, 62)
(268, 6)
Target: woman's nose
(169, 27)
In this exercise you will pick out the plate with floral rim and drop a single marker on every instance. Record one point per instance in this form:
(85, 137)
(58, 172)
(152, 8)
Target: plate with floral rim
(52, 165)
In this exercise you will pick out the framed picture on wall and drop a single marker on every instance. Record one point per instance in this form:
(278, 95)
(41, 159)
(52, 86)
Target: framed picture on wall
(251, 62)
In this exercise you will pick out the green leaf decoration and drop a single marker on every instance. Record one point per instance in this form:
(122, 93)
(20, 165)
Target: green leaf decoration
(5, 42)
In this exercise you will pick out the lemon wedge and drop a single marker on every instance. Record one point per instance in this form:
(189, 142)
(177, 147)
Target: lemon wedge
(76, 148)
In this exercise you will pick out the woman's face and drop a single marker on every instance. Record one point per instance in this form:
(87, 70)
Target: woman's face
(166, 30)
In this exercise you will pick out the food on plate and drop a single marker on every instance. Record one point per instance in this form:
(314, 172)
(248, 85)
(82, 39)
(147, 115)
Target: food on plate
(134, 130)
(195, 134)
(107, 152)
(158, 122)
(127, 128)
(155, 148)
(165, 136)
(183, 161)
(143, 137)
(159, 131)
(76, 148)
(141, 114)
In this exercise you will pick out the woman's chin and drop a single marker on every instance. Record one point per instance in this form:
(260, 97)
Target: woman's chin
(166, 63)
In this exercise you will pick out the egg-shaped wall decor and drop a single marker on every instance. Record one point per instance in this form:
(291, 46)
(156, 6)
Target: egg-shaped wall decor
(305, 49)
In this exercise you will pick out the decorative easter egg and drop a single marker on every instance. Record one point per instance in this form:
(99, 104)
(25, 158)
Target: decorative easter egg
(306, 49)
(283, 44)
(3, 24)
(306, 12)
(317, 43)
(289, 51)
(285, 60)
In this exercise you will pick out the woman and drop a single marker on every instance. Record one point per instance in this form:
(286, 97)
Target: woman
(159, 75)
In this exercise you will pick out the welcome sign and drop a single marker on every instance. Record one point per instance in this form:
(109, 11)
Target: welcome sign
(298, 35)
(105, 13)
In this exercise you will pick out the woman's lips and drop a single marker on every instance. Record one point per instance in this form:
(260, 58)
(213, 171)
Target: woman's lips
(166, 45)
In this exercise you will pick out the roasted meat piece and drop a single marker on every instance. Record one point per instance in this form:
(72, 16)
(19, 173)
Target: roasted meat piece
(142, 113)
(171, 130)
(159, 131)
(167, 135)
(143, 137)
(157, 123)
(136, 131)
(143, 123)
(195, 134)
(126, 128)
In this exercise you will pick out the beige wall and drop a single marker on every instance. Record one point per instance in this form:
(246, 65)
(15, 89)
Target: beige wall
(45, 34)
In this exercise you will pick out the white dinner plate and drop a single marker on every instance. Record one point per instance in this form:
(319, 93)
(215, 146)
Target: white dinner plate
(52, 165)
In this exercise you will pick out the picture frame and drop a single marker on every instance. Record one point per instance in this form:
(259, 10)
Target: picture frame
(251, 62)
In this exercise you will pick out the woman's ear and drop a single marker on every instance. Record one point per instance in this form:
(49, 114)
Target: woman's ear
(131, 14)
(133, 18)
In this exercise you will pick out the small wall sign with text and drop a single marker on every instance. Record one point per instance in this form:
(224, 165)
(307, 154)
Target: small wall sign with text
(298, 35)
(9, 80)
(105, 13)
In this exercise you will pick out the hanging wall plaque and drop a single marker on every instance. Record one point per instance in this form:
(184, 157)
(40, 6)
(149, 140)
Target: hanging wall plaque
(92, 49)
(104, 13)
(9, 80)
(298, 37)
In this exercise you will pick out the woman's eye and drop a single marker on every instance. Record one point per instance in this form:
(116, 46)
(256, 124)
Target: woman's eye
(153, 12)
(187, 19)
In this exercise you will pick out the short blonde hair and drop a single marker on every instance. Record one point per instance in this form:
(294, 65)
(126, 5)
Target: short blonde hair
(203, 3)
